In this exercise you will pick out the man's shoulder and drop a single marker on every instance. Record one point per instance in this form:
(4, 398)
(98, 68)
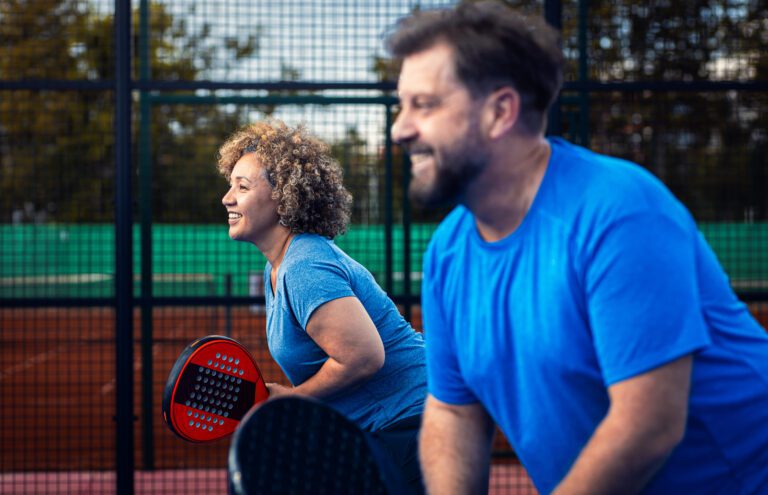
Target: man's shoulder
(454, 226)
(457, 219)
(449, 241)
(607, 186)
(598, 169)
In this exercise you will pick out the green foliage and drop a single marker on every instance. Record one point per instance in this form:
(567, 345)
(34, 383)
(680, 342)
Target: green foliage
(705, 145)
(56, 147)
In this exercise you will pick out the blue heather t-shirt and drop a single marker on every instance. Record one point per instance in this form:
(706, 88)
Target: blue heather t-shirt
(313, 272)
(606, 278)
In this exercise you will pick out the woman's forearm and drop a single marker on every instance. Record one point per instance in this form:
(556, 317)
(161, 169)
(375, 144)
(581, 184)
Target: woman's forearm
(333, 377)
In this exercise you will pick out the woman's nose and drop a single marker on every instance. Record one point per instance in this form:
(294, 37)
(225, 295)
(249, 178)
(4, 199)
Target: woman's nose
(227, 199)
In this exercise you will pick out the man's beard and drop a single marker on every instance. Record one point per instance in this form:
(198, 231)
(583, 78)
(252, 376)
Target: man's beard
(453, 173)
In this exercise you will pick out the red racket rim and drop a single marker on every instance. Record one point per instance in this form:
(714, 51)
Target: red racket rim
(171, 405)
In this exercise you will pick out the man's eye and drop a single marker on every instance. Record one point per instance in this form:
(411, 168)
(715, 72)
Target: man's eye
(242, 187)
(424, 104)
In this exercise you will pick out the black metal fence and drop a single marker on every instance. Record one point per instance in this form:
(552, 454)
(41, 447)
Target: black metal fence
(114, 246)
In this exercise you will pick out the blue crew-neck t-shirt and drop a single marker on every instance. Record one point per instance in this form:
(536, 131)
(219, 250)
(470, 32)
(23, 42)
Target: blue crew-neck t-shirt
(313, 272)
(606, 278)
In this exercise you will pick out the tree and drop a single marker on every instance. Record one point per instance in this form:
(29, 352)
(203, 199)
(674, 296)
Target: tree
(360, 176)
(704, 145)
(56, 147)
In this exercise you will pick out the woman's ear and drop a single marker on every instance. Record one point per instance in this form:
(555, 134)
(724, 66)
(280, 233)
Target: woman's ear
(503, 111)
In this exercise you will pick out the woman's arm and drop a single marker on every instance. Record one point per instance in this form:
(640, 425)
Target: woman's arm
(343, 329)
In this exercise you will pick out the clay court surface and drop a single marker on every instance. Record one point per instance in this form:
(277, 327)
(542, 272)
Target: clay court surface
(509, 479)
(57, 389)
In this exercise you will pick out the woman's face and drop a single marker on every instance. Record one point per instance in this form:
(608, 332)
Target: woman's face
(252, 213)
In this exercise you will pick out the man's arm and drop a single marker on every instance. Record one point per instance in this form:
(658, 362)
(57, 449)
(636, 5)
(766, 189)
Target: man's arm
(455, 448)
(645, 421)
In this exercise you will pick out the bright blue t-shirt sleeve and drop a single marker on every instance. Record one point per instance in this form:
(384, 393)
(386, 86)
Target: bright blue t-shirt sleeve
(444, 378)
(314, 282)
(642, 294)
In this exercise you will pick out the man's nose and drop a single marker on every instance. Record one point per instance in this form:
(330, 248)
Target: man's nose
(403, 129)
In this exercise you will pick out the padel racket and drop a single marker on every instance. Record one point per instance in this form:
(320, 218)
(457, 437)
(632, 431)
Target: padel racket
(296, 445)
(212, 385)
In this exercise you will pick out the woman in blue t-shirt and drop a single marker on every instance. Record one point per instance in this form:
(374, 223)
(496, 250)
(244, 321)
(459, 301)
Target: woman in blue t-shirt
(333, 331)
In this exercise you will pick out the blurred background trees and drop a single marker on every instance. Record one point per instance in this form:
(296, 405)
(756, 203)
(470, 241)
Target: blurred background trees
(667, 112)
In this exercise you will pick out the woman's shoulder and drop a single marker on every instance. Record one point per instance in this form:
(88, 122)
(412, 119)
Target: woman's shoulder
(307, 250)
(310, 246)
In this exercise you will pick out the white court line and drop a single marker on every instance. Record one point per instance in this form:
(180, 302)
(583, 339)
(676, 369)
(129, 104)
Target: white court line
(33, 361)
(109, 387)
(79, 278)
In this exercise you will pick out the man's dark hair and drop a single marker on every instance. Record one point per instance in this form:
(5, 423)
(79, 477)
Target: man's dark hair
(494, 46)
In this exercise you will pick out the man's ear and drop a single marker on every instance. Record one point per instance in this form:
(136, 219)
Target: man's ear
(502, 111)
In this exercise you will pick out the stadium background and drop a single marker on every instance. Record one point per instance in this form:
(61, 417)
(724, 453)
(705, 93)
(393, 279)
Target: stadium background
(114, 246)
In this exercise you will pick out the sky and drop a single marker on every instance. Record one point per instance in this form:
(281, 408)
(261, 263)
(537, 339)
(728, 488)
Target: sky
(323, 40)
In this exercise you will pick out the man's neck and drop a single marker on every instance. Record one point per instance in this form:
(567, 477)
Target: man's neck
(502, 195)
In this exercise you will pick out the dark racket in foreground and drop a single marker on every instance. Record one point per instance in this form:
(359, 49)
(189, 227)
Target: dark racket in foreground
(211, 387)
(299, 446)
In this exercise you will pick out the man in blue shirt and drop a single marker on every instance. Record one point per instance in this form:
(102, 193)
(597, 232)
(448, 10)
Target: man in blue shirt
(569, 298)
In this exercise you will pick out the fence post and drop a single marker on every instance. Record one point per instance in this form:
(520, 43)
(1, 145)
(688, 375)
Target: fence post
(123, 252)
(553, 13)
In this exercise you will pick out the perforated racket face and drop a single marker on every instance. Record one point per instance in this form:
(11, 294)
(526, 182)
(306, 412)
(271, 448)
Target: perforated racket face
(212, 386)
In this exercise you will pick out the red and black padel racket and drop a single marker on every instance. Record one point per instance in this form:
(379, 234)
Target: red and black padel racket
(213, 384)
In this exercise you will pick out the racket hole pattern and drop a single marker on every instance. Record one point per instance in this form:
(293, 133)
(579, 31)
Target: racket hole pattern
(212, 391)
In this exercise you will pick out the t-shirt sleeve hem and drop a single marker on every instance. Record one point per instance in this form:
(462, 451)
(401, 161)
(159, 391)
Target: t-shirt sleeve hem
(652, 363)
(454, 399)
(311, 308)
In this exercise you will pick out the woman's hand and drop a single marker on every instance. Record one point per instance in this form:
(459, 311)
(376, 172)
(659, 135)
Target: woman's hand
(277, 390)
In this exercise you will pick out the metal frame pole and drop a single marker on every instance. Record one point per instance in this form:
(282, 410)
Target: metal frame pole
(123, 252)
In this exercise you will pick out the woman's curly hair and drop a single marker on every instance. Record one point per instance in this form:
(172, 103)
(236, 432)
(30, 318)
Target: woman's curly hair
(306, 180)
